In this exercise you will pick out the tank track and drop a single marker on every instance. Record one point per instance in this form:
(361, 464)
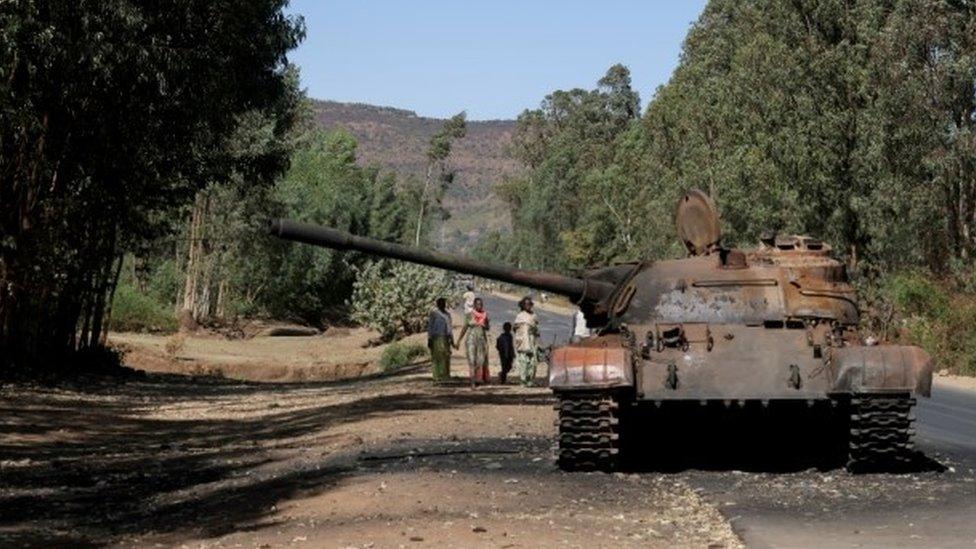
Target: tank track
(589, 432)
(880, 433)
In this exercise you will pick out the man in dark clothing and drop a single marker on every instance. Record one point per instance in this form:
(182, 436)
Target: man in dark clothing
(506, 351)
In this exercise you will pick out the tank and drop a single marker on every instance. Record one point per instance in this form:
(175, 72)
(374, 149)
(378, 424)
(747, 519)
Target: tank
(722, 328)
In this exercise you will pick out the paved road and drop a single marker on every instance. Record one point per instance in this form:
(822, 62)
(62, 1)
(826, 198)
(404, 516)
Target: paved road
(928, 508)
(553, 327)
(932, 507)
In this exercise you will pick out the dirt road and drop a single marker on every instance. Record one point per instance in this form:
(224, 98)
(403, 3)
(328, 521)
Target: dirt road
(381, 462)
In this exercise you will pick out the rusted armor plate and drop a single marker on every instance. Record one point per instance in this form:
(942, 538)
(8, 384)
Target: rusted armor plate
(882, 368)
(591, 366)
(697, 222)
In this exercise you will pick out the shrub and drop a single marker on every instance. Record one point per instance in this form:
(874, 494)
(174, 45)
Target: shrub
(133, 311)
(165, 281)
(915, 294)
(174, 344)
(931, 316)
(398, 355)
(395, 298)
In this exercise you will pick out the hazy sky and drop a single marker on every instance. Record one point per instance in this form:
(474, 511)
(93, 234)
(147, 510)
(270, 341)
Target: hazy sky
(490, 58)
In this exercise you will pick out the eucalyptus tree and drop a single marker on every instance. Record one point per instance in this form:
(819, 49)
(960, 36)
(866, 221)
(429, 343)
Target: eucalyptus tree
(112, 114)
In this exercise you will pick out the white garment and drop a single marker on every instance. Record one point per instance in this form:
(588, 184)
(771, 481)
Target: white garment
(526, 332)
(579, 325)
(469, 298)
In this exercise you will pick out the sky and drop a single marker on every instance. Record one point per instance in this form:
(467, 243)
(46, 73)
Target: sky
(492, 59)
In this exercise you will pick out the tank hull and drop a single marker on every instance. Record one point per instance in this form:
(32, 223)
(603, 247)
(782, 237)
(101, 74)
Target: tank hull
(616, 396)
(736, 362)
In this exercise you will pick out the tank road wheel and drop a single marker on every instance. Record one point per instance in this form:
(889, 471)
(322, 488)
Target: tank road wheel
(589, 429)
(880, 433)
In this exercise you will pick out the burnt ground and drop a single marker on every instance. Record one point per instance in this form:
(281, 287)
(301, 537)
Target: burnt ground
(776, 493)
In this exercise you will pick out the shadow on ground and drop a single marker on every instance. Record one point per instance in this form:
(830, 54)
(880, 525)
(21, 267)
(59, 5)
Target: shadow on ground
(90, 468)
(779, 438)
(93, 466)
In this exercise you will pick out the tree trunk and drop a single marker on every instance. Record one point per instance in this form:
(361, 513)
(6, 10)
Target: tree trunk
(423, 203)
(111, 298)
(194, 255)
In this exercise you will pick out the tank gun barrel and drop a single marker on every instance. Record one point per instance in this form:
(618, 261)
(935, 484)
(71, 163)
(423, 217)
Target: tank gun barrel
(578, 289)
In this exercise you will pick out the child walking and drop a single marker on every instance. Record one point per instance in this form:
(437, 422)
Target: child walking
(506, 351)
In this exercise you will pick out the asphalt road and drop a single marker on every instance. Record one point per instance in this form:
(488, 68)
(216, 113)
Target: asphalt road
(554, 328)
(932, 506)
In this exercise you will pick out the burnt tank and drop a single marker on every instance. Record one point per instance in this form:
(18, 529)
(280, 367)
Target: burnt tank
(723, 327)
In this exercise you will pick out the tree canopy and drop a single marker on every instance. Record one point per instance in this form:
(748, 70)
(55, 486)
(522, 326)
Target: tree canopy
(852, 121)
(112, 113)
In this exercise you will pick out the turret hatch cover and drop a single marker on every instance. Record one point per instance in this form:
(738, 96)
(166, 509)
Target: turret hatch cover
(698, 223)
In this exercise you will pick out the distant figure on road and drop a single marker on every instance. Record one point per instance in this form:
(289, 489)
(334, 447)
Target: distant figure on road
(580, 330)
(469, 297)
(506, 351)
(476, 327)
(526, 336)
(440, 339)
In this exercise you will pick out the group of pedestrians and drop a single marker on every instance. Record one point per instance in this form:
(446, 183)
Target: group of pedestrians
(517, 344)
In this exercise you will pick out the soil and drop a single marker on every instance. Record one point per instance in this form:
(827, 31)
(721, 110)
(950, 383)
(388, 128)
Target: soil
(956, 381)
(334, 355)
(378, 461)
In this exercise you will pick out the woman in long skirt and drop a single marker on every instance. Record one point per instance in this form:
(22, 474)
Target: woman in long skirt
(440, 338)
(476, 327)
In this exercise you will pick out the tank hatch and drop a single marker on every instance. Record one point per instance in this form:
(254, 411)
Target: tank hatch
(698, 223)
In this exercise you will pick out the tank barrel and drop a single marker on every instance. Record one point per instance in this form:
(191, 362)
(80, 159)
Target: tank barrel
(577, 289)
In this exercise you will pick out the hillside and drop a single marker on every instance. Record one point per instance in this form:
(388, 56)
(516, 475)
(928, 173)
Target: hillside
(397, 139)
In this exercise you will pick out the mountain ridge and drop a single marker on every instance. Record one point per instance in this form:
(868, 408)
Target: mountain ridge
(397, 139)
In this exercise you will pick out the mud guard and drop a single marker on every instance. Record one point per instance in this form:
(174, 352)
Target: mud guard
(590, 367)
(881, 369)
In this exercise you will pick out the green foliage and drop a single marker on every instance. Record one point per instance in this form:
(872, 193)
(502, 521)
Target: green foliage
(454, 127)
(325, 186)
(565, 210)
(399, 354)
(112, 116)
(430, 196)
(387, 212)
(394, 298)
(852, 122)
(135, 311)
(917, 295)
(917, 308)
(164, 282)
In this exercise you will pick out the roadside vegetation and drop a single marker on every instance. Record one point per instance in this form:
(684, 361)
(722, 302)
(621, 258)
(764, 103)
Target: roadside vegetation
(853, 122)
(933, 314)
(400, 354)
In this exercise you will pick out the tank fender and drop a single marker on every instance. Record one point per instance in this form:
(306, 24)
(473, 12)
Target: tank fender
(606, 365)
(882, 368)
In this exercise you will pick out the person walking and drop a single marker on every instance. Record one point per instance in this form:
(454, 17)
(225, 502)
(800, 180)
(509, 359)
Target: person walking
(526, 336)
(506, 351)
(440, 339)
(475, 337)
(580, 329)
(468, 298)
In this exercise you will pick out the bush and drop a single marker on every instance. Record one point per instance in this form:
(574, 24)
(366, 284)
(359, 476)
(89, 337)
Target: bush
(395, 298)
(915, 294)
(165, 282)
(133, 311)
(941, 321)
(397, 355)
